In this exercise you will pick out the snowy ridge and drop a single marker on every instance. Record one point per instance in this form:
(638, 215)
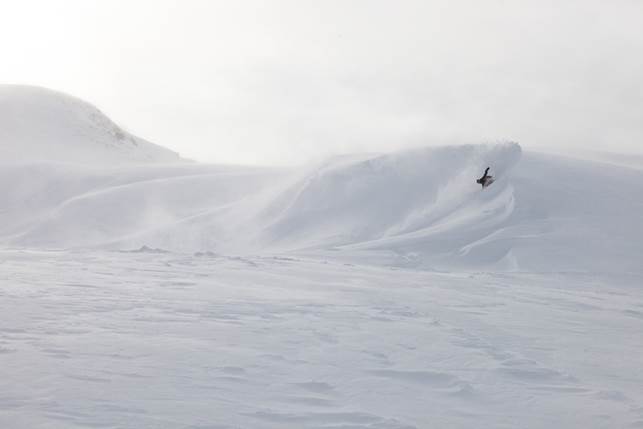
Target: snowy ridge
(239, 209)
(418, 208)
(38, 124)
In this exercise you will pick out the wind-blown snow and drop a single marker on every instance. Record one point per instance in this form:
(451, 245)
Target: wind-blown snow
(370, 291)
(416, 208)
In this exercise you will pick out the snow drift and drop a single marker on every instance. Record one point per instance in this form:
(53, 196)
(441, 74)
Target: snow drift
(355, 201)
(419, 208)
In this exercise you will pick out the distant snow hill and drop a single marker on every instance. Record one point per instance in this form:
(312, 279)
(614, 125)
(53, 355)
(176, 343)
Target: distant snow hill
(416, 208)
(38, 124)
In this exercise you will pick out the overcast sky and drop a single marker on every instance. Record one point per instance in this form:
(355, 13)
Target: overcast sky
(283, 81)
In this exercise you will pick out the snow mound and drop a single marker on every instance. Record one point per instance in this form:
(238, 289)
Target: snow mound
(38, 124)
(418, 208)
(380, 197)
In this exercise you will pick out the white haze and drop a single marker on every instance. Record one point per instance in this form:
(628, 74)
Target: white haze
(364, 291)
(284, 81)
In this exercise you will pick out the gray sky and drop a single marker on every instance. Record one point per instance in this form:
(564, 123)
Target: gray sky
(283, 81)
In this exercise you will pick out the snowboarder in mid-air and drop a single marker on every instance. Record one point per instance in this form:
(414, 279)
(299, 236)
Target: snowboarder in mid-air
(485, 180)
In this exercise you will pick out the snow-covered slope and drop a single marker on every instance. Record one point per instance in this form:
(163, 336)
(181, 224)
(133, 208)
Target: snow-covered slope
(417, 208)
(548, 214)
(38, 124)
(248, 297)
(355, 201)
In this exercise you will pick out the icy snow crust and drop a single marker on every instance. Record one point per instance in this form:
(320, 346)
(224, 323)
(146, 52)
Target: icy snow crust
(372, 291)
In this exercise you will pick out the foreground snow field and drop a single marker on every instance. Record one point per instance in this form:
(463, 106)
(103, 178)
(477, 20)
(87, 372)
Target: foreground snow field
(167, 340)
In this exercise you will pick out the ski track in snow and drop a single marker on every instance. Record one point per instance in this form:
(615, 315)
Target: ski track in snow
(150, 340)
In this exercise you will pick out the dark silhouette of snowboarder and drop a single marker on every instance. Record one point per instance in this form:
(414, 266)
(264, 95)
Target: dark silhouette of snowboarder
(485, 180)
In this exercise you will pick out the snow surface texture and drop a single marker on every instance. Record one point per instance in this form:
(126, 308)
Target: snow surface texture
(368, 291)
(162, 340)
